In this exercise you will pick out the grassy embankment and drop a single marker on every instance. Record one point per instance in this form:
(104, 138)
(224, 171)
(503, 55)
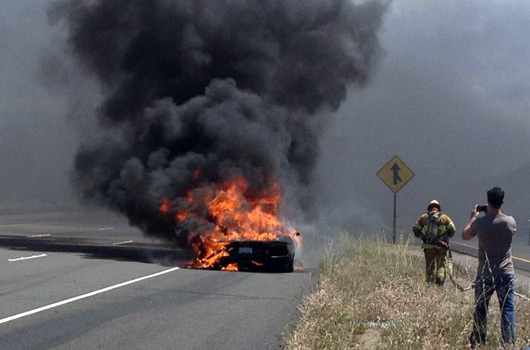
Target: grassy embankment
(371, 295)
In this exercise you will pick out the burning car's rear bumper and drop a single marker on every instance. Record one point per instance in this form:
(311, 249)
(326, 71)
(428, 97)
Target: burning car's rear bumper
(276, 255)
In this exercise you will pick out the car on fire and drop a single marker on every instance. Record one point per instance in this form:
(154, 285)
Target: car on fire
(271, 255)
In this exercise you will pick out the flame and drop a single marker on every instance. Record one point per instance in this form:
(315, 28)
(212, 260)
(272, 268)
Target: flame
(233, 213)
(231, 267)
(165, 206)
(237, 217)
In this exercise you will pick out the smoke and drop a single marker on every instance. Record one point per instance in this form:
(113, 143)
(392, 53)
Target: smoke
(197, 92)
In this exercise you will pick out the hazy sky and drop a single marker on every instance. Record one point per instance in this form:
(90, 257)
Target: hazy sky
(449, 97)
(34, 139)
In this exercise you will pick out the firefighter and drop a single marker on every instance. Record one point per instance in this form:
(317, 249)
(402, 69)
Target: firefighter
(434, 229)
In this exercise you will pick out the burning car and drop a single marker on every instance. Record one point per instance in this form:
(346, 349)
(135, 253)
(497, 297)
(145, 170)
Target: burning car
(251, 255)
(277, 255)
(238, 230)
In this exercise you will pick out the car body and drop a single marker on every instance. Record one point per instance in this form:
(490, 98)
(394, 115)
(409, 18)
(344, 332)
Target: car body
(271, 255)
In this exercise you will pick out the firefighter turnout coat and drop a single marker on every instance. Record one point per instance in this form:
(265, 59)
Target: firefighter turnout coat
(434, 231)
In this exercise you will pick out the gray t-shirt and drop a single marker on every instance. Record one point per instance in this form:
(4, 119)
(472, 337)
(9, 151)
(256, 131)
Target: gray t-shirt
(495, 234)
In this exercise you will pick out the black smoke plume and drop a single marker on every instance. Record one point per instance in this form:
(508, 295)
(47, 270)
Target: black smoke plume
(197, 91)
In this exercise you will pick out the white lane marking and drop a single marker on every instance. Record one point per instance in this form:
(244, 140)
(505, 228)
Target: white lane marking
(71, 300)
(105, 228)
(15, 225)
(44, 235)
(124, 242)
(28, 257)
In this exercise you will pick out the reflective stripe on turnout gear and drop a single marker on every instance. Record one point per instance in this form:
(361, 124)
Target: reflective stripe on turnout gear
(429, 246)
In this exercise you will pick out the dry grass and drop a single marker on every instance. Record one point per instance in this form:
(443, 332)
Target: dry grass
(371, 295)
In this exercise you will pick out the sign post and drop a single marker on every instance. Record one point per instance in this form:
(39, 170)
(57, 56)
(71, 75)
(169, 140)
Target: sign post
(395, 174)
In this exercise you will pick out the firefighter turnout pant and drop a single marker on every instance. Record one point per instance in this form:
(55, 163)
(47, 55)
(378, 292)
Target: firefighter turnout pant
(435, 262)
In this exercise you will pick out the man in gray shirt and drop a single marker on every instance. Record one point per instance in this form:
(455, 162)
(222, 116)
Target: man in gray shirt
(495, 271)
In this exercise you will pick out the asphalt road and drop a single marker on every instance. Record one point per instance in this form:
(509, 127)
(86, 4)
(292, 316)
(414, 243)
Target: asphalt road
(88, 281)
(520, 259)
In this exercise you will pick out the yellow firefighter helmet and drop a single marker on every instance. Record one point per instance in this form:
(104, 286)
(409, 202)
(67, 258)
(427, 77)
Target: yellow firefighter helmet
(434, 203)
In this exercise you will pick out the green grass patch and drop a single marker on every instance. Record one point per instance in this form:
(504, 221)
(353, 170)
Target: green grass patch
(372, 295)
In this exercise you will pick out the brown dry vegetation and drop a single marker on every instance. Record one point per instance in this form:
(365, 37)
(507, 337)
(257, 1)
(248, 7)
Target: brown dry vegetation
(371, 295)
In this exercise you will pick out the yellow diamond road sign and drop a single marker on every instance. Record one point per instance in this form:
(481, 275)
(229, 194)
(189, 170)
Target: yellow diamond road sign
(395, 174)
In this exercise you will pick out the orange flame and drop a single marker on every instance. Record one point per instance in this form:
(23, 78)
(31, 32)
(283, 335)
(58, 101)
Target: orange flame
(165, 206)
(231, 267)
(235, 214)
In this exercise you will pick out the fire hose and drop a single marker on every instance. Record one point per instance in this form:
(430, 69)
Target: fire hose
(449, 269)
